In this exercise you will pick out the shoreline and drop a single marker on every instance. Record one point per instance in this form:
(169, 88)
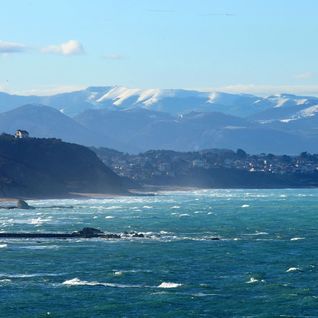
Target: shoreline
(76, 195)
(148, 191)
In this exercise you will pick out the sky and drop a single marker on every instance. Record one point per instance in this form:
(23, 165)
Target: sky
(251, 46)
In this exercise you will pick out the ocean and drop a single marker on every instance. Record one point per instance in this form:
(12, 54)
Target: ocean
(264, 265)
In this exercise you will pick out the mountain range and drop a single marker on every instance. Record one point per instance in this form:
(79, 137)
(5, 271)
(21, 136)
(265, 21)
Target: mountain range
(135, 120)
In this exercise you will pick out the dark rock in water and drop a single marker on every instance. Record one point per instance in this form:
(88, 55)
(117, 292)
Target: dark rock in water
(136, 234)
(215, 239)
(111, 236)
(89, 232)
(21, 204)
(86, 232)
(133, 234)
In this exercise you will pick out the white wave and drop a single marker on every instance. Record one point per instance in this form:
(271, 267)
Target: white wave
(256, 233)
(118, 273)
(293, 269)
(34, 221)
(109, 217)
(113, 207)
(175, 207)
(5, 281)
(147, 207)
(254, 280)
(183, 214)
(245, 206)
(40, 247)
(297, 238)
(133, 271)
(8, 276)
(37, 221)
(203, 295)
(169, 285)
(78, 282)
(3, 245)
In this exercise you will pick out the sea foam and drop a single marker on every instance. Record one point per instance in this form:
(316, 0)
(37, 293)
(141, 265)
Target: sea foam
(254, 280)
(293, 269)
(78, 282)
(169, 285)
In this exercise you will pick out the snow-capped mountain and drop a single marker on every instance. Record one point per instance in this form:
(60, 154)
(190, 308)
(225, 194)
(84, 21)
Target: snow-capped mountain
(173, 101)
(287, 107)
(135, 120)
(179, 101)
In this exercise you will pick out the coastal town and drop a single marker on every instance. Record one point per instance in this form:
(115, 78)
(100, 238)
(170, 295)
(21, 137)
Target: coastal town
(159, 163)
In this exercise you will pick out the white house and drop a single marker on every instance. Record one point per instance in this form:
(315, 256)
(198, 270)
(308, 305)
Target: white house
(21, 134)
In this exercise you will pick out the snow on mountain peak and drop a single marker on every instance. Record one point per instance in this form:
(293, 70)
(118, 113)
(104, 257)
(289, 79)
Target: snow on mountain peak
(305, 113)
(301, 101)
(149, 96)
(309, 112)
(119, 95)
(281, 102)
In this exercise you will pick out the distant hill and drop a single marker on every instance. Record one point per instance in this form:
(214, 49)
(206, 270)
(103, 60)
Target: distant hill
(136, 120)
(48, 167)
(47, 122)
(144, 129)
(69, 103)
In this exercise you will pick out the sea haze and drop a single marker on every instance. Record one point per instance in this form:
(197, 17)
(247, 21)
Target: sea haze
(263, 262)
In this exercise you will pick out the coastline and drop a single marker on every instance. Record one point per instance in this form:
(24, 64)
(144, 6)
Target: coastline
(147, 191)
(76, 195)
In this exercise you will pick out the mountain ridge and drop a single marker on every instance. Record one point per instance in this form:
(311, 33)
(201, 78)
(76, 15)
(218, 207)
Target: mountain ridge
(136, 120)
(174, 101)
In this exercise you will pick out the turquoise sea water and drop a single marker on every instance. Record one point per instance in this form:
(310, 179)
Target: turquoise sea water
(266, 264)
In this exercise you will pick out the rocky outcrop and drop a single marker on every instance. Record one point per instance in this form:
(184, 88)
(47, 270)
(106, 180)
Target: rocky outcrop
(49, 167)
(21, 204)
(86, 232)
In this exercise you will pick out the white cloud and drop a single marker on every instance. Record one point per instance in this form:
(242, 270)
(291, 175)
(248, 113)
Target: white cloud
(304, 76)
(71, 47)
(113, 56)
(11, 47)
(51, 90)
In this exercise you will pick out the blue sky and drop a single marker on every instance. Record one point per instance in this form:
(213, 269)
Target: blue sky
(256, 46)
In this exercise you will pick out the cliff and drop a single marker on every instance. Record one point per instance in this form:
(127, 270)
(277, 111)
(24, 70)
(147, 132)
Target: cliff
(48, 167)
